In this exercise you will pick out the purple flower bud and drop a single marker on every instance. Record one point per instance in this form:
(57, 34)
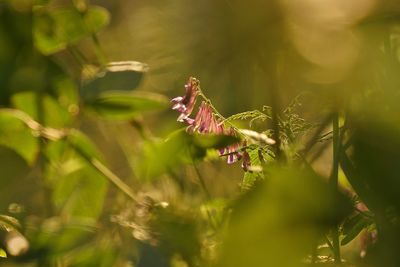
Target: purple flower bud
(185, 104)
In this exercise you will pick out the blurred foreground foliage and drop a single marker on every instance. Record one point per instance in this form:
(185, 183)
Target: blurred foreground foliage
(86, 181)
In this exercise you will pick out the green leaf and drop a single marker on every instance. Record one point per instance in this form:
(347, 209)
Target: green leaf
(208, 141)
(102, 254)
(281, 218)
(79, 189)
(15, 180)
(54, 30)
(161, 156)
(96, 18)
(250, 177)
(80, 193)
(82, 144)
(8, 223)
(46, 37)
(219, 210)
(357, 182)
(67, 93)
(3, 254)
(177, 233)
(254, 115)
(42, 107)
(56, 236)
(116, 76)
(125, 106)
(16, 135)
(179, 148)
(353, 226)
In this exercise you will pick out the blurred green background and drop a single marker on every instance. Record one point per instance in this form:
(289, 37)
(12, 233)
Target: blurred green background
(87, 178)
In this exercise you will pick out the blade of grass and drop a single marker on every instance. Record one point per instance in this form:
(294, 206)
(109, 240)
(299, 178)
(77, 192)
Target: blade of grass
(334, 181)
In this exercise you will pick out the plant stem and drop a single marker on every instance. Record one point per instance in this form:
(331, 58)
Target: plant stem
(216, 112)
(55, 134)
(334, 182)
(112, 177)
(41, 163)
(207, 193)
(78, 55)
(272, 73)
(201, 180)
(201, 94)
(99, 50)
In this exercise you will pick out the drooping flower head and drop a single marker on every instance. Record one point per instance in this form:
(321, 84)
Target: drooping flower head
(185, 104)
(206, 122)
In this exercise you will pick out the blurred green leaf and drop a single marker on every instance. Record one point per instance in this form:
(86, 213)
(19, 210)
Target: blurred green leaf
(160, 156)
(55, 236)
(357, 182)
(116, 76)
(152, 256)
(80, 192)
(100, 255)
(353, 226)
(8, 223)
(208, 141)
(3, 254)
(179, 148)
(17, 136)
(56, 151)
(14, 179)
(125, 106)
(84, 146)
(218, 208)
(95, 18)
(43, 108)
(281, 219)
(376, 150)
(54, 30)
(67, 93)
(177, 233)
(78, 188)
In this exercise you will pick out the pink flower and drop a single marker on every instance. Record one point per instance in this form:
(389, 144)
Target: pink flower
(205, 122)
(185, 104)
(232, 152)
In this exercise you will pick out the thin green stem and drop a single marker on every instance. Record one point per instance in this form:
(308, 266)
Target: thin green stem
(334, 182)
(272, 71)
(41, 163)
(329, 242)
(216, 112)
(314, 138)
(207, 193)
(107, 173)
(99, 50)
(78, 55)
(364, 213)
(53, 134)
(113, 178)
(201, 180)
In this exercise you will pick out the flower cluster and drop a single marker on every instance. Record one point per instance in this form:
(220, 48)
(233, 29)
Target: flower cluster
(206, 122)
